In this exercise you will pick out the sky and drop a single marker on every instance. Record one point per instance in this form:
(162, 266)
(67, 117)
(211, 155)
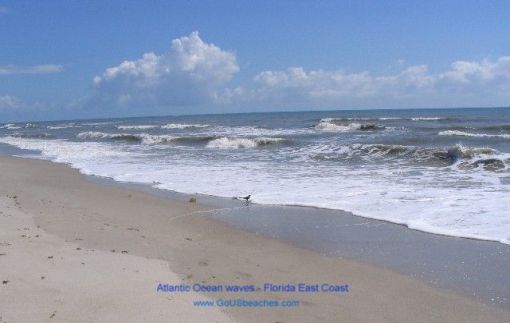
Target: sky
(88, 59)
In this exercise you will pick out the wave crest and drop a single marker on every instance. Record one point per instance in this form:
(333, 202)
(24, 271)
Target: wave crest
(62, 126)
(142, 137)
(469, 134)
(140, 127)
(210, 141)
(236, 143)
(10, 126)
(341, 125)
(458, 155)
(183, 126)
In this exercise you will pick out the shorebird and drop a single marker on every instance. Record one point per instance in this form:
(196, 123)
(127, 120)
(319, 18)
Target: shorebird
(245, 198)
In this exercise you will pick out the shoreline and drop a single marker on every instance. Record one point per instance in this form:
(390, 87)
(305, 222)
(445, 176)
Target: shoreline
(214, 200)
(57, 198)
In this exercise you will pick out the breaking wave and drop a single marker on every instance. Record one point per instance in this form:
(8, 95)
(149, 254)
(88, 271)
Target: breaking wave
(211, 141)
(10, 126)
(458, 155)
(236, 143)
(344, 125)
(142, 137)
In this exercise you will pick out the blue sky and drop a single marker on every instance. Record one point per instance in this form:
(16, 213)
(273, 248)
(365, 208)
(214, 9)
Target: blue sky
(252, 56)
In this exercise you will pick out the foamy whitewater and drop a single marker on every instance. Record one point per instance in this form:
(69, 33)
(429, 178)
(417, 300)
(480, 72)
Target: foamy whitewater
(441, 171)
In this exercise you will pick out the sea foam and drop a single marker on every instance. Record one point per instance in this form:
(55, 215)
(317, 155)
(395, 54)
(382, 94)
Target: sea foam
(469, 134)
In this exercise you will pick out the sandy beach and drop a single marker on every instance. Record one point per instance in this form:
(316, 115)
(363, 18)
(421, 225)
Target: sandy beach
(76, 251)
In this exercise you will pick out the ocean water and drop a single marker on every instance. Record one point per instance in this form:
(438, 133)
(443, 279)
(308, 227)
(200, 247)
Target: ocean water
(442, 171)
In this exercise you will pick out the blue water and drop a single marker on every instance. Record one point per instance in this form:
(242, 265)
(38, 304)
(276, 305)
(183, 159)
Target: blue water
(443, 171)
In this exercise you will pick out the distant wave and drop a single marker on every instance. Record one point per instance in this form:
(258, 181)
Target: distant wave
(386, 119)
(126, 127)
(413, 118)
(103, 135)
(251, 131)
(236, 143)
(469, 134)
(102, 123)
(10, 126)
(340, 125)
(166, 126)
(501, 127)
(390, 118)
(427, 118)
(183, 126)
(142, 137)
(42, 135)
(62, 126)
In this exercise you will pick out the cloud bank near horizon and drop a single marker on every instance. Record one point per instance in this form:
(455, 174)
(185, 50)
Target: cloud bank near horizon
(8, 102)
(464, 83)
(196, 73)
(37, 69)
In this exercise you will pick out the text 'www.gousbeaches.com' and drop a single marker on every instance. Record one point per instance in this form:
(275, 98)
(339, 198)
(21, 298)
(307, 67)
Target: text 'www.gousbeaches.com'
(239, 302)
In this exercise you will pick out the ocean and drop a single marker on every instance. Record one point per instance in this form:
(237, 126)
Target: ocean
(444, 171)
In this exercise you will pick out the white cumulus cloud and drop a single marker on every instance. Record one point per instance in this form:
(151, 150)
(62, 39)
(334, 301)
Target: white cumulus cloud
(484, 71)
(191, 72)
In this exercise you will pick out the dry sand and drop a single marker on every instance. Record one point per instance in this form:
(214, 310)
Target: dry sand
(76, 251)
